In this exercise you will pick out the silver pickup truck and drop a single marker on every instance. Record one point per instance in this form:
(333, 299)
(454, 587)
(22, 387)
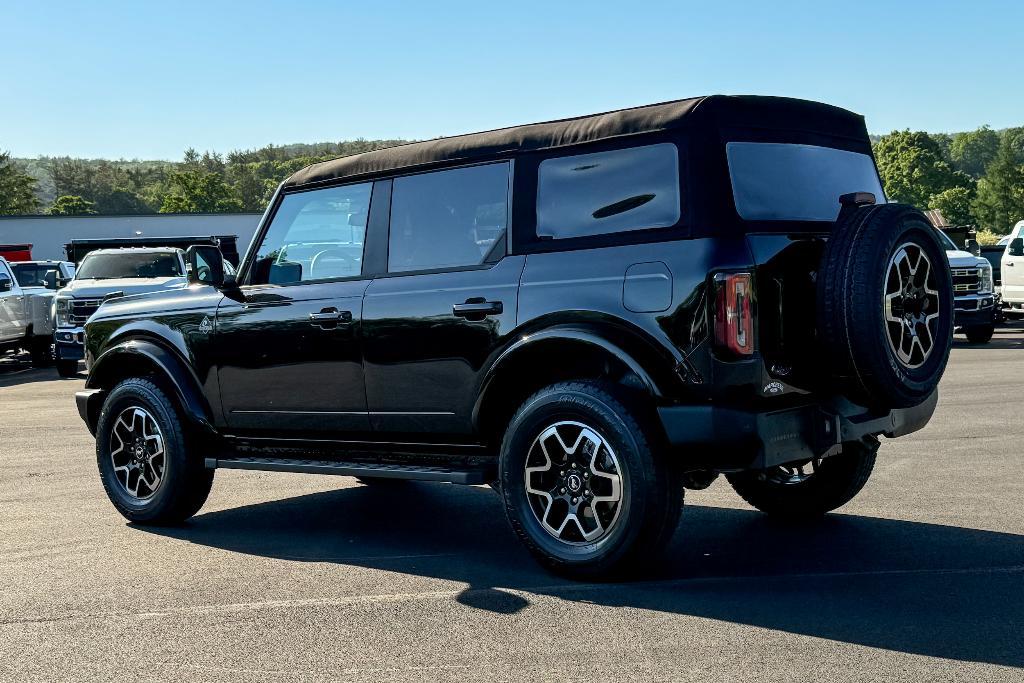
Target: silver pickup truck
(105, 274)
(27, 289)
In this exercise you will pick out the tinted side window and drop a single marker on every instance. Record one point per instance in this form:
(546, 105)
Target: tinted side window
(314, 235)
(607, 192)
(448, 219)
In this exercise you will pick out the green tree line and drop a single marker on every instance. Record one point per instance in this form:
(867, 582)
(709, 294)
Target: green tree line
(199, 183)
(973, 178)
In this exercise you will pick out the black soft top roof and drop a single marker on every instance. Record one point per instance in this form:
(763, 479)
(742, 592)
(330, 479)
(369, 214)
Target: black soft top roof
(710, 114)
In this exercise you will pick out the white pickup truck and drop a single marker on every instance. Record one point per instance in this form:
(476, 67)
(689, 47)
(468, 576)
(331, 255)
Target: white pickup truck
(26, 320)
(1012, 269)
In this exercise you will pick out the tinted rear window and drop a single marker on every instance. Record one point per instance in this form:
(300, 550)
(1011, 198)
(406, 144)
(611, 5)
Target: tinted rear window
(607, 192)
(785, 182)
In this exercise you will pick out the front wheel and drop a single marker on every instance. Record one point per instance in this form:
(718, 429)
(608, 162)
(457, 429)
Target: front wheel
(809, 488)
(581, 485)
(143, 456)
(67, 368)
(41, 350)
(980, 334)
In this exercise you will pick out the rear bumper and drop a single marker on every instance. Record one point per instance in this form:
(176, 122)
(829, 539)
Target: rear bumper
(728, 438)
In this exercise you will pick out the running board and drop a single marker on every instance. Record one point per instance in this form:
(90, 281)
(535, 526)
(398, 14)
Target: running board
(468, 475)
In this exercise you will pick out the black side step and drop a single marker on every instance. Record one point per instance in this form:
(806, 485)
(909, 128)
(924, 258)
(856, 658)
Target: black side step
(480, 474)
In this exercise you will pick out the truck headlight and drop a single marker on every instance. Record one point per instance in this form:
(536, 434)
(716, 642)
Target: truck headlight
(985, 284)
(62, 311)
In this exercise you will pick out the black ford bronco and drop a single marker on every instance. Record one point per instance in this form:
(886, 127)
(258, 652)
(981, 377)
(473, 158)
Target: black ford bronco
(589, 314)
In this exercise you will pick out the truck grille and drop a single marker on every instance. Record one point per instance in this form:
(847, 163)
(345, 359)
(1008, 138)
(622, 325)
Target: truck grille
(966, 280)
(81, 309)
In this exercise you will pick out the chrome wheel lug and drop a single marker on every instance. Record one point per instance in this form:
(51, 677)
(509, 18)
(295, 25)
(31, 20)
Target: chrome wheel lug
(561, 490)
(575, 500)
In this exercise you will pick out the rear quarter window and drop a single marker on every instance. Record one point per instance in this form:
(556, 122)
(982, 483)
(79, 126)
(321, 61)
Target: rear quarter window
(620, 190)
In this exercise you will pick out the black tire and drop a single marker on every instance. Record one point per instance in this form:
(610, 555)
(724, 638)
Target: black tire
(42, 353)
(980, 334)
(852, 286)
(834, 483)
(651, 490)
(67, 368)
(185, 482)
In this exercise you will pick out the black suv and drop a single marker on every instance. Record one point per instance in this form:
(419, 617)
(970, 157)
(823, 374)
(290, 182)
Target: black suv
(589, 314)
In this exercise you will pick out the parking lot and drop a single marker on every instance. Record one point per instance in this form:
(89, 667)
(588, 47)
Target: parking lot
(284, 577)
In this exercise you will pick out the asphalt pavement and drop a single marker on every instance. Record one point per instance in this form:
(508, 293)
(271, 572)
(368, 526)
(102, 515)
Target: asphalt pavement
(303, 577)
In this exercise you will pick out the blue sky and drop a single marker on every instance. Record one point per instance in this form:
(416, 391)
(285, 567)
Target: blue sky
(146, 80)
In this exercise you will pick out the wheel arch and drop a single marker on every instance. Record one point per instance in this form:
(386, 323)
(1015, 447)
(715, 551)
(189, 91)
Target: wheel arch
(557, 354)
(138, 357)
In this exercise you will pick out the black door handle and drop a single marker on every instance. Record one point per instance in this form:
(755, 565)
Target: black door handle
(477, 309)
(329, 317)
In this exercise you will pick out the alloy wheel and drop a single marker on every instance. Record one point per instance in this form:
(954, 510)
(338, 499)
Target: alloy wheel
(911, 303)
(137, 453)
(574, 483)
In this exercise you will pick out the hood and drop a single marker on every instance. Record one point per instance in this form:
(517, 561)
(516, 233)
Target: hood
(173, 300)
(97, 289)
(959, 258)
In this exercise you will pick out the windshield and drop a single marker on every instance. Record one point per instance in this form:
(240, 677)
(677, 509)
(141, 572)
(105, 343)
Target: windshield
(32, 274)
(129, 265)
(789, 182)
(947, 243)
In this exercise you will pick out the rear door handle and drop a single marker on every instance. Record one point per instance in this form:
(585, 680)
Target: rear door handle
(329, 317)
(477, 309)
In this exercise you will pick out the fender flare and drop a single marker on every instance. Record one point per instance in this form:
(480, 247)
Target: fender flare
(574, 334)
(186, 385)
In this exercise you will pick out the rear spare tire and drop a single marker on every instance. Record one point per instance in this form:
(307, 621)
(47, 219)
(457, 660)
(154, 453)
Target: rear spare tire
(885, 306)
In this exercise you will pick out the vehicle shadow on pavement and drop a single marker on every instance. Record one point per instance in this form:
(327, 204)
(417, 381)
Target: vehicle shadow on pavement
(17, 369)
(912, 587)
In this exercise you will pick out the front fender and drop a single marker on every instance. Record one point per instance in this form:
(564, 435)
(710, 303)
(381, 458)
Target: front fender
(127, 357)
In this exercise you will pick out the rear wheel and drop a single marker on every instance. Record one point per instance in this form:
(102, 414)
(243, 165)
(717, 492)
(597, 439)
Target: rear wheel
(144, 456)
(808, 488)
(980, 334)
(581, 485)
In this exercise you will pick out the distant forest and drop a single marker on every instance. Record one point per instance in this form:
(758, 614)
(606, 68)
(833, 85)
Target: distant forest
(199, 183)
(974, 178)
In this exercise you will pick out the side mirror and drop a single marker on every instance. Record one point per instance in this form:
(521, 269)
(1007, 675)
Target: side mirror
(1016, 247)
(973, 247)
(50, 279)
(5, 283)
(205, 265)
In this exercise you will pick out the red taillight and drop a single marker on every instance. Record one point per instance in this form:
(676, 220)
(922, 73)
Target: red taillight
(734, 315)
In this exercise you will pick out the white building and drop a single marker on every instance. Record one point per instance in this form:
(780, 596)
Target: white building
(49, 234)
